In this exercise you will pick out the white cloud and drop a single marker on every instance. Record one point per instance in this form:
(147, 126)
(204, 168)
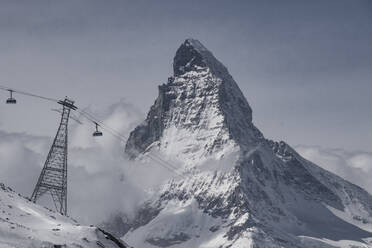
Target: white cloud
(355, 166)
(362, 161)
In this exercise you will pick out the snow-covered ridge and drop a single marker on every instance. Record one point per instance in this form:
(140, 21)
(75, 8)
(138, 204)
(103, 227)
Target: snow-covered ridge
(25, 224)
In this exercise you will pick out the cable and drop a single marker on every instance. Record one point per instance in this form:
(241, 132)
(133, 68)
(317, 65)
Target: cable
(100, 123)
(123, 138)
(27, 93)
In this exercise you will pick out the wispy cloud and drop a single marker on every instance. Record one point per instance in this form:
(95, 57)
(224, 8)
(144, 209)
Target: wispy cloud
(355, 166)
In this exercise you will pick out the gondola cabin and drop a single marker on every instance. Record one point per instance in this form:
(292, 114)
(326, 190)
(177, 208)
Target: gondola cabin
(11, 99)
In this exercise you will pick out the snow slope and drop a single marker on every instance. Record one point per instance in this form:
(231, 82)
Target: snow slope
(25, 224)
(238, 189)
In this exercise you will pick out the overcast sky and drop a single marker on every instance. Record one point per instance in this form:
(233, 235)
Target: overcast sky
(304, 66)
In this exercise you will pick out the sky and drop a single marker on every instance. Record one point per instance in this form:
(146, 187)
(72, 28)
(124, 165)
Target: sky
(304, 66)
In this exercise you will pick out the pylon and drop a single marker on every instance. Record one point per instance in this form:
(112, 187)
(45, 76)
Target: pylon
(53, 177)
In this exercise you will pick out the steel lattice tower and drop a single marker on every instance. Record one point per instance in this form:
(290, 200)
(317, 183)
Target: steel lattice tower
(53, 177)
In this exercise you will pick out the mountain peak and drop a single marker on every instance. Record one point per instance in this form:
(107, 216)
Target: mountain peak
(238, 189)
(193, 55)
(196, 44)
(200, 111)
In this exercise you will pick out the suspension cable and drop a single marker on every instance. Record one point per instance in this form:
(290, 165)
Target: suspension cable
(103, 125)
(116, 134)
(123, 138)
(27, 93)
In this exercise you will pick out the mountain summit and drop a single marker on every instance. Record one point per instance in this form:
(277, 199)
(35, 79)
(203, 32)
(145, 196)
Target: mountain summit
(238, 189)
(200, 111)
(192, 55)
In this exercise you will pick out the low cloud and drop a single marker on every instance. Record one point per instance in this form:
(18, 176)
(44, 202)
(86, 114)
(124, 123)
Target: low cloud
(20, 159)
(355, 166)
(101, 181)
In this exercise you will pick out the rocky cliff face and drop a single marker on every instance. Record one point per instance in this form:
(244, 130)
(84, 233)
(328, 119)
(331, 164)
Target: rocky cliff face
(243, 190)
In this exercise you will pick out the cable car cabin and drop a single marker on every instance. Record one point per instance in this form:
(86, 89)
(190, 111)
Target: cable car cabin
(11, 100)
(97, 133)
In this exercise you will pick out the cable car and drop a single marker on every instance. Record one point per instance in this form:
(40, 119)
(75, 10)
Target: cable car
(97, 133)
(11, 100)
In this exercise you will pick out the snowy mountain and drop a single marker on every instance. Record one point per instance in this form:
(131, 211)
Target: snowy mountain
(237, 188)
(24, 224)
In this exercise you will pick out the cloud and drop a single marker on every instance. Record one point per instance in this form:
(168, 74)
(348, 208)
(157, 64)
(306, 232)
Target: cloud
(20, 159)
(101, 182)
(355, 166)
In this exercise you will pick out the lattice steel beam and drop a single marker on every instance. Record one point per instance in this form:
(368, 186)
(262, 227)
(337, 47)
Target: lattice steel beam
(53, 177)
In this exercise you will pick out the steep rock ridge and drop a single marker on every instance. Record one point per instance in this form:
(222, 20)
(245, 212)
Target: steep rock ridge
(244, 190)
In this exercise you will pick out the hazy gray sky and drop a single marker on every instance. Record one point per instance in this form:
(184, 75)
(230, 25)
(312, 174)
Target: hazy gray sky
(304, 66)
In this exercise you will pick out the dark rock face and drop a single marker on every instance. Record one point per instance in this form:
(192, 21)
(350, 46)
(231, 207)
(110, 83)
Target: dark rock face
(177, 239)
(302, 180)
(149, 131)
(118, 225)
(187, 59)
(192, 56)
